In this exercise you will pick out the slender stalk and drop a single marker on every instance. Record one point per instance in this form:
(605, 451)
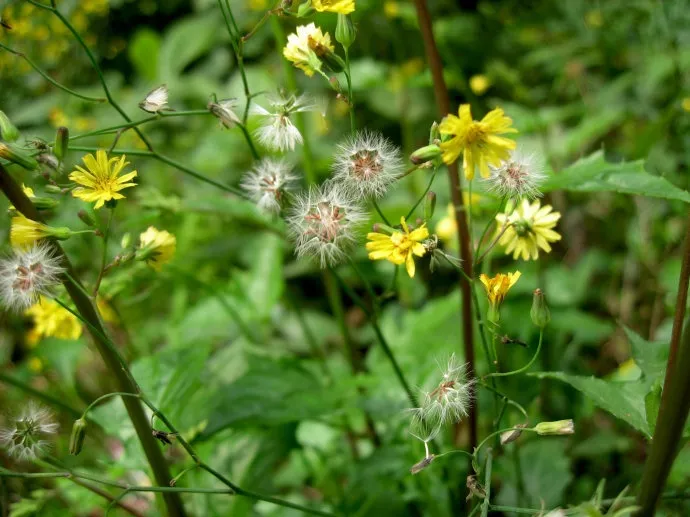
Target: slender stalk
(350, 98)
(487, 484)
(378, 211)
(421, 198)
(443, 104)
(104, 258)
(50, 79)
(122, 377)
(45, 397)
(524, 368)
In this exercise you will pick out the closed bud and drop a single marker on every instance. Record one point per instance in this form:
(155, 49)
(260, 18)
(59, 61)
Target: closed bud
(540, 311)
(425, 154)
(126, 240)
(8, 131)
(345, 31)
(76, 440)
(429, 205)
(61, 233)
(44, 203)
(53, 189)
(61, 142)
(304, 10)
(14, 155)
(87, 218)
(560, 427)
(513, 434)
(434, 134)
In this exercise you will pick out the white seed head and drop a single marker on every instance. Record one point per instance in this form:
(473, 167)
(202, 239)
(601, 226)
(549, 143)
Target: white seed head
(267, 183)
(450, 401)
(519, 176)
(323, 223)
(156, 100)
(26, 437)
(425, 425)
(28, 273)
(224, 111)
(277, 132)
(367, 164)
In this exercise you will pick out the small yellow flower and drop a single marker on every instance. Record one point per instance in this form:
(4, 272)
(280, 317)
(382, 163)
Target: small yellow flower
(496, 290)
(298, 49)
(52, 320)
(391, 8)
(479, 84)
(156, 247)
(35, 364)
(477, 140)
(334, 6)
(530, 227)
(400, 247)
(100, 180)
(685, 103)
(24, 232)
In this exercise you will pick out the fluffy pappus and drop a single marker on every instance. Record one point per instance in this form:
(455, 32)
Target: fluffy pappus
(323, 223)
(519, 176)
(277, 132)
(27, 435)
(367, 163)
(28, 273)
(267, 183)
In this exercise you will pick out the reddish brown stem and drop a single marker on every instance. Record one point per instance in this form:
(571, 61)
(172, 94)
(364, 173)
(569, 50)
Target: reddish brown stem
(443, 104)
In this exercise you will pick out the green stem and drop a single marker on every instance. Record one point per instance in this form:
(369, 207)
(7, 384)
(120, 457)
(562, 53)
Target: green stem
(486, 229)
(428, 187)
(104, 257)
(350, 98)
(50, 79)
(107, 396)
(378, 210)
(487, 484)
(496, 433)
(48, 399)
(527, 366)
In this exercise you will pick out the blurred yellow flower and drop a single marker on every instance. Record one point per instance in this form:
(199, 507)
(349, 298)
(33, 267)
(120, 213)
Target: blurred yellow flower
(334, 6)
(29, 193)
(58, 118)
(258, 5)
(391, 9)
(35, 364)
(100, 180)
(497, 287)
(156, 247)
(52, 320)
(400, 247)
(479, 84)
(686, 104)
(529, 227)
(477, 140)
(298, 49)
(594, 18)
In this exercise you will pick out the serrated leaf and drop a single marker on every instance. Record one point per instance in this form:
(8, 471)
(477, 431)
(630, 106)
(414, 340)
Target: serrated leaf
(595, 174)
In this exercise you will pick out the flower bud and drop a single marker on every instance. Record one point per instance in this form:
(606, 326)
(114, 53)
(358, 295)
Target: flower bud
(345, 31)
(126, 240)
(61, 142)
(555, 428)
(61, 233)
(513, 434)
(53, 189)
(14, 155)
(304, 10)
(8, 131)
(540, 311)
(434, 134)
(87, 218)
(76, 440)
(424, 154)
(429, 205)
(44, 203)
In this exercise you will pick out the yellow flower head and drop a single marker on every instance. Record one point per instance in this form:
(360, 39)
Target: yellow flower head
(24, 232)
(334, 6)
(477, 140)
(529, 228)
(100, 180)
(52, 320)
(447, 227)
(157, 247)
(400, 247)
(479, 84)
(498, 286)
(299, 48)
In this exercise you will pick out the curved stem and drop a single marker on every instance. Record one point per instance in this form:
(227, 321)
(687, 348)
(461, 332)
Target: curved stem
(48, 399)
(527, 366)
(486, 229)
(421, 198)
(378, 210)
(107, 396)
(496, 433)
(487, 484)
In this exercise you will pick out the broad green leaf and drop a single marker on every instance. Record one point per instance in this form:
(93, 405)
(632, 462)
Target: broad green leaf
(186, 41)
(595, 174)
(143, 52)
(651, 357)
(263, 283)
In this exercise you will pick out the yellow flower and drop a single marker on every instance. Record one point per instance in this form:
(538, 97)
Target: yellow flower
(24, 232)
(479, 84)
(496, 290)
(400, 247)
(477, 140)
(35, 364)
(52, 320)
(298, 49)
(685, 103)
(391, 9)
(100, 180)
(334, 6)
(29, 193)
(156, 247)
(529, 228)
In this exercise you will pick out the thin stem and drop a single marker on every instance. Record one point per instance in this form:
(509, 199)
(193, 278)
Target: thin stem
(486, 229)
(106, 397)
(50, 79)
(496, 433)
(48, 399)
(350, 98)
(487, 484)
(421, 198)
(378, 211)
(104, 257)
(527, 366)
(506, 398)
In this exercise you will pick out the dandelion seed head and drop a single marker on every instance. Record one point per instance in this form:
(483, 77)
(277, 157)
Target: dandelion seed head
(277, 131)
(267, 183)
(324, 222)
(451, 400)
(27, 435)
(367, 164)
(224, 111)
(519, 176)
(28, 273)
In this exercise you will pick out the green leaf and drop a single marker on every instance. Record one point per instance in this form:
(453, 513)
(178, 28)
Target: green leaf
(651, 403)
(651, 357)
(185, 42)
(144, 51)
(595, 174)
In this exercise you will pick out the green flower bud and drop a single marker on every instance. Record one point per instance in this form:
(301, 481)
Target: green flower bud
(540, 311)
(304, 10)
(44, 203)
(87, 218)
(559, 427)
(61, 233)
(425, 154)
(429, 205)
(76, 440)
(14, 155)
(126, 240)
(345, 31)
(53, 189)
(434, 134)
(61, 142)
(8, 131)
